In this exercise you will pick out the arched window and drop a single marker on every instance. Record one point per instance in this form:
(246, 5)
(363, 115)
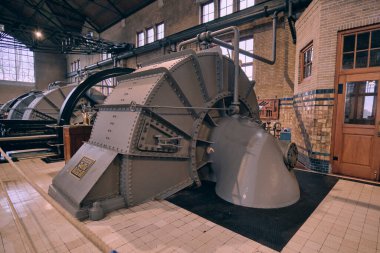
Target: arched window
(16, 61)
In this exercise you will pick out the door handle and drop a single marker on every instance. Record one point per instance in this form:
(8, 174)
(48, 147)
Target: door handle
(378, 129)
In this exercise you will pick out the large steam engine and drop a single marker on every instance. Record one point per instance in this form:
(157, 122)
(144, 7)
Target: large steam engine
(177, 120)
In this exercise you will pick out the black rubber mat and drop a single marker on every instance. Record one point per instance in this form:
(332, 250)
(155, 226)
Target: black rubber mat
(270, 227)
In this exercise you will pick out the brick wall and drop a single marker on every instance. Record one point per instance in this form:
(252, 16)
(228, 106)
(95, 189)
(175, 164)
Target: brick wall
(337, 16)
(312, 127)
(286, 113)
(308, 26)
(320, 23)
(177, 17)
(274, 81)
(314, 96)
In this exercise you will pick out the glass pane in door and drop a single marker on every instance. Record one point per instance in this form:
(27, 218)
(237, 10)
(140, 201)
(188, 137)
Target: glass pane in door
(360, 106)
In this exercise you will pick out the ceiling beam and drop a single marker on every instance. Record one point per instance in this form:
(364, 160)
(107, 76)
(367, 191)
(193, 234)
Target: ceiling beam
(121, 14)
(102, 6)
(68, 15)
(87, 19)
(47, 17)
(15, 23)
(130, 11)
(38, 6)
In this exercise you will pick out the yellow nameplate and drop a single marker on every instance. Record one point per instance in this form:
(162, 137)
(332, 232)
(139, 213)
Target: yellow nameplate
(82, 167)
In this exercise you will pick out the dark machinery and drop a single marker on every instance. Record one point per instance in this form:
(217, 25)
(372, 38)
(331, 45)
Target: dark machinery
(5, 108)
(47, 104)
(30, 113)
(29, 118)
(179, 119)
(35, 119)
(17, 110)
(13, 129)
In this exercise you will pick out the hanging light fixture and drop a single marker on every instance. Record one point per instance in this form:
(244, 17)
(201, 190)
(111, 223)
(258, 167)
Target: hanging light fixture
(38, 34)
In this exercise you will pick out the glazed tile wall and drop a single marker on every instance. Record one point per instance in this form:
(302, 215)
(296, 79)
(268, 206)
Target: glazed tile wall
(309, 116)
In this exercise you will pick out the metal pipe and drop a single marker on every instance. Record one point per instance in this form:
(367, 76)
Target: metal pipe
(235, 30)
(235, 104)
(291, 21)
(255, 56)
(209, 37)
(290, 8)
(274, 37)
(109, 61)
(135, 106)
(29, 137)
(186, 42)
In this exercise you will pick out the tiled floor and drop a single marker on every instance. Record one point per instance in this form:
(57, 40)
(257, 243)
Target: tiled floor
(346, 221)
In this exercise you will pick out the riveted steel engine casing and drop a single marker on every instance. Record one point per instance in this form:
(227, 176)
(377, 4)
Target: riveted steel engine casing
(156, 127)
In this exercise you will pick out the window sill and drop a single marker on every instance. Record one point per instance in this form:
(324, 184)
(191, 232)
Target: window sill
(17, 83)
(306, 80)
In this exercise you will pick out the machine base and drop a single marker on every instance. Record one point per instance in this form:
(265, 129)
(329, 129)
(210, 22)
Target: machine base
(82, 213)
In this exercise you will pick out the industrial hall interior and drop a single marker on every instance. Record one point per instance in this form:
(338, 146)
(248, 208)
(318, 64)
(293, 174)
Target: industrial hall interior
(236, 126)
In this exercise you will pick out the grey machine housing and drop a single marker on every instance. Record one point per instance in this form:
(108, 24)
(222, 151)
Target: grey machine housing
(167, 126)
(46, 105)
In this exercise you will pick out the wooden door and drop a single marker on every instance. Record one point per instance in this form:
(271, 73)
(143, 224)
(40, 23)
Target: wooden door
(357, 131)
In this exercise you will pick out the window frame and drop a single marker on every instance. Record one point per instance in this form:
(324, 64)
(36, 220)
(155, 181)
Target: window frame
(147, 30)
(163, 30)
(355, 95)
(138, 39)
(75, 65)
(106, 86)
(356, 50)
(226, 8)
(248, 63)
(105, 56)
(302, 61)
(339, 59)
(228, 51)
(239, 4)
(202, 11)
(18, 64)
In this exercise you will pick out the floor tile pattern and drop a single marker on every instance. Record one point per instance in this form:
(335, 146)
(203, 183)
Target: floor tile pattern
(346, 221)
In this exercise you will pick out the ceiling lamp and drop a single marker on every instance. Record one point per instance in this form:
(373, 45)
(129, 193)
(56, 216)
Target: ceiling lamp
(38, 34)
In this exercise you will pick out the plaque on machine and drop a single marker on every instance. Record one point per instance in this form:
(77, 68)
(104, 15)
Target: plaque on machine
(82, 167)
